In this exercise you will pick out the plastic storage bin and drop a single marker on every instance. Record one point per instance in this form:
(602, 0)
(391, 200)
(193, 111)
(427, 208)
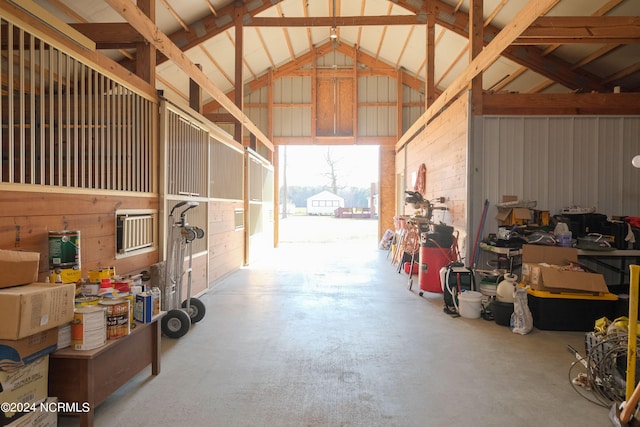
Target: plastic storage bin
(566, 311)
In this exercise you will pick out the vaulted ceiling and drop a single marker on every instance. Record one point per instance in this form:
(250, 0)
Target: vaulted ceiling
(577, 46)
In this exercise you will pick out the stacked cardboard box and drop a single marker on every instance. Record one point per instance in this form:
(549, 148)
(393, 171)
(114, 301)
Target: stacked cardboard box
(30, 314)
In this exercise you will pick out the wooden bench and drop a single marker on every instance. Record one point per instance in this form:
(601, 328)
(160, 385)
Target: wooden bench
(90, 376)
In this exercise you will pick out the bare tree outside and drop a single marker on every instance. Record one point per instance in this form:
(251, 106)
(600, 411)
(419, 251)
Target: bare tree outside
(332, 174)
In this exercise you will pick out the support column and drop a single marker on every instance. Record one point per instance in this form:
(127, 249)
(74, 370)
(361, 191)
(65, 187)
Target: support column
(146, 52)
(195, 94)
(476, 34)
(430, 86)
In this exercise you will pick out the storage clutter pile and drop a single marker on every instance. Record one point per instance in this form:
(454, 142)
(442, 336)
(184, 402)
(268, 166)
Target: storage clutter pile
(36, 319)
(31, 315)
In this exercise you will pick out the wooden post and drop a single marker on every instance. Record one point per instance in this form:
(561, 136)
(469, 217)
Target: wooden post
(476, 34)
(195, 94)
(146, 52)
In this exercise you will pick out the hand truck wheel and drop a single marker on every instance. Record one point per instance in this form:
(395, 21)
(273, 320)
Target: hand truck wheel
(196, 309)
(175, 323)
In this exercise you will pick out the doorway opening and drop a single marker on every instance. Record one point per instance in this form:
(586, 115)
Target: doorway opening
(328, 194)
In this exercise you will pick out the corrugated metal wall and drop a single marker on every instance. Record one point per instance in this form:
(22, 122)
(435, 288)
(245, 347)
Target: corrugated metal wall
(292, 121)
(377, 120)
(559, 162)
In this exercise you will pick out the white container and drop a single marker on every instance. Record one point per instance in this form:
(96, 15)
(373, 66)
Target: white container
(504, 292)
(470, 304)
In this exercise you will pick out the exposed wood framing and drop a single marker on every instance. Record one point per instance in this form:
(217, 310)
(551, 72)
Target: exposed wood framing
(338, 21)
(531, 57)
(153, 34)
(476, 25)
(529, 13)
(561, 104)
(582, 29)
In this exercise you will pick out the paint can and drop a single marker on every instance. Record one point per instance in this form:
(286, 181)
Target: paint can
(86, 301)
(118, 324)
(64, 249)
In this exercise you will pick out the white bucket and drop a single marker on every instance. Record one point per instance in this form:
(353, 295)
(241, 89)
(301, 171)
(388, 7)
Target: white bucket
(470, 304)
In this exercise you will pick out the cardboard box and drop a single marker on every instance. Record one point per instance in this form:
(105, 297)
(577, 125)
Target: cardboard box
(29, 309)
(513, 216)
(540, 272)
(27, 384)
(18, 267)
(41, 417)
(14, 354)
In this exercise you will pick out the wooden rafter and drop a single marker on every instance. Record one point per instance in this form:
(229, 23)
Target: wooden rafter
(529, 13)
(339, 21)
(285, 32)
(175, 15)
(549, 66)
(293, 68)
(582, 29)
(216, 64)
(156, 37)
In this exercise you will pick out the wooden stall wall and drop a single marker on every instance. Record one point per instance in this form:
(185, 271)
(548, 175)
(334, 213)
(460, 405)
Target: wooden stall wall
(442, 147)
(27, 217)
(79, 145)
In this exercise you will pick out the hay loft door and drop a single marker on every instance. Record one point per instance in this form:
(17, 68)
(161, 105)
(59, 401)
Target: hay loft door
(335, 107)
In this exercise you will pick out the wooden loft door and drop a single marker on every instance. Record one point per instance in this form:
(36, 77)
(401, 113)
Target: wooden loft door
(335, 107)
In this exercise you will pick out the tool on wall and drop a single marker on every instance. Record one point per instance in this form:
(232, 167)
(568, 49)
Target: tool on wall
(177, 321)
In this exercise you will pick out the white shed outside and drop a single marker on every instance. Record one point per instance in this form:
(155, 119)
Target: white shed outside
(324, 203)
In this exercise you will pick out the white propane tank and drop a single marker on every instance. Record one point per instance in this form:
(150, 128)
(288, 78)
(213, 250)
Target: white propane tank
(504, 292)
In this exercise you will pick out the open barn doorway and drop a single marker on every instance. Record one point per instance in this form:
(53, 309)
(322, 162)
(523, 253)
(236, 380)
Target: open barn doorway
(328, 194)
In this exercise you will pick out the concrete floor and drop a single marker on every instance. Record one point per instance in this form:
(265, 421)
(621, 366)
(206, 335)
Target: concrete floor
(319, 335)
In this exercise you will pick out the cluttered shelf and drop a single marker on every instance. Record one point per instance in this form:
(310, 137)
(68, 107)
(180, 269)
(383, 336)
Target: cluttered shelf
(92, 375)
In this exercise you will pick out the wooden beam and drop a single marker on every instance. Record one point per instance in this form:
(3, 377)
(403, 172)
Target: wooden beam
(562, 104)
(146, 52)
(195, 94)
(430, 66)
(113, 34)
(156, 37)
(60, 41)
(527, 15)
(582, 29)
(476, 37)
(238, 79)
(337, 21)
(549, 66)
(220, 117)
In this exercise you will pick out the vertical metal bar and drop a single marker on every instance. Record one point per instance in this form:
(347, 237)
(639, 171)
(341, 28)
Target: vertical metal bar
(60, 118)
(52, 118)
(68, 122)
(116, 167)
(94, 182)
(107, 142)
(41, 118)
(137, 142)
(33, 123)
(83, 127)
(75, 125)
(100, 180)
(89, 126)
(10, 99)
(129, 150)
(21, 108)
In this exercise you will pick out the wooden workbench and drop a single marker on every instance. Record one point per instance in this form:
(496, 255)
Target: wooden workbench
(90, 376)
